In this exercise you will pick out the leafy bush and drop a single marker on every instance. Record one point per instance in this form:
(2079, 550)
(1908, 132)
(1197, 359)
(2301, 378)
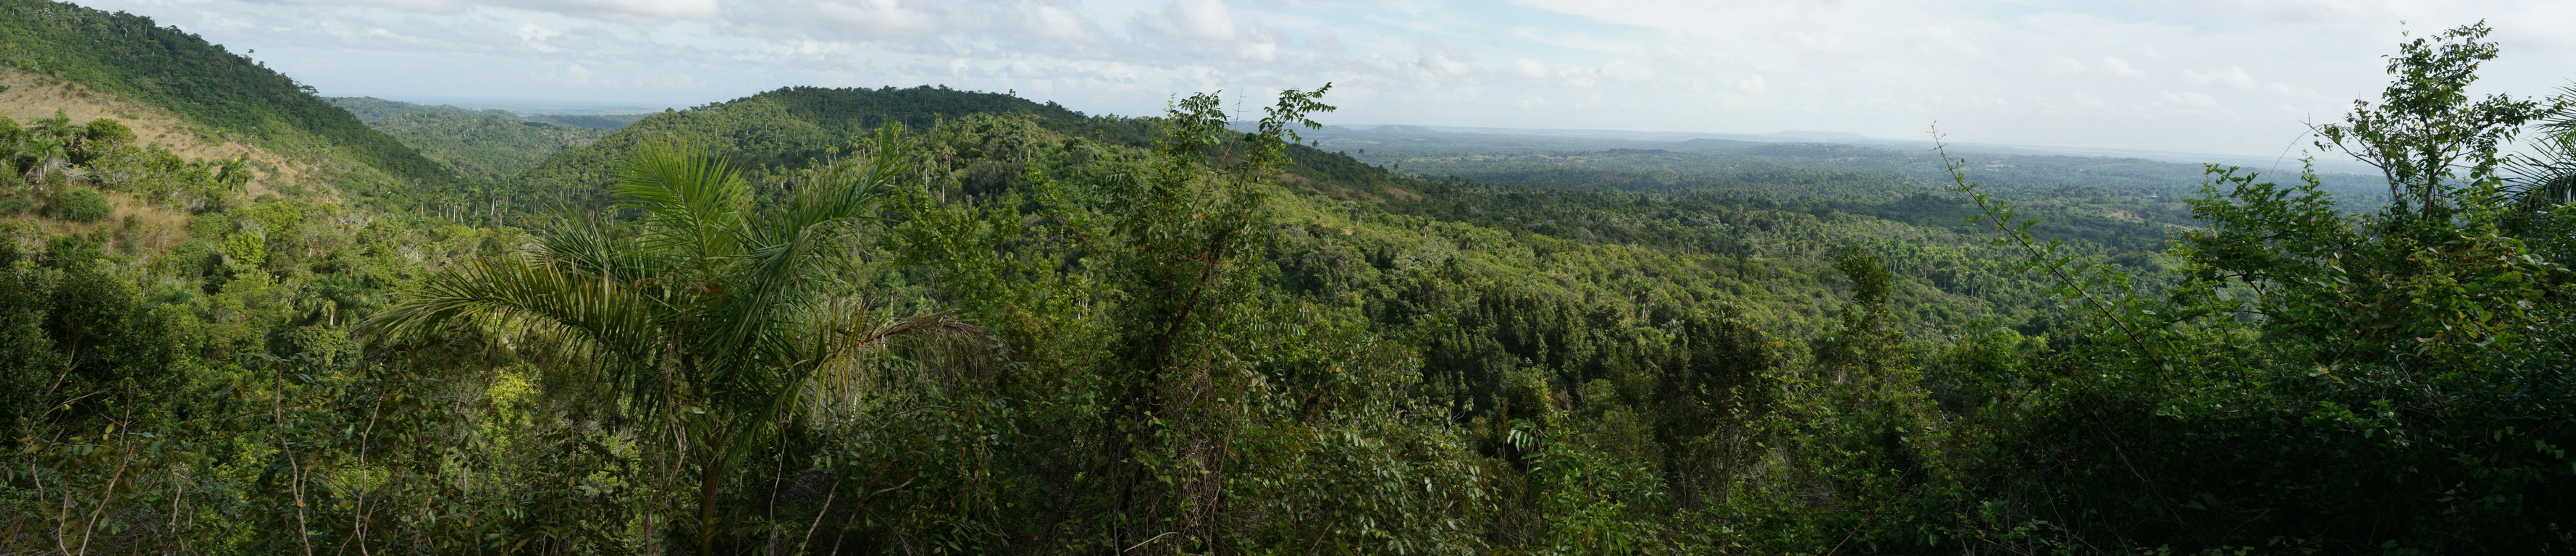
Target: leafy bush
(81, 205)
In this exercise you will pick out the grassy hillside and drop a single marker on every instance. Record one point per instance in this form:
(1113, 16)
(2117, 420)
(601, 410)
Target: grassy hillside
(130, 57)
(28, 98)
(481, 145)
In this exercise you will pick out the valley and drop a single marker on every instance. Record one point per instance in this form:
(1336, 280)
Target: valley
(239, 317)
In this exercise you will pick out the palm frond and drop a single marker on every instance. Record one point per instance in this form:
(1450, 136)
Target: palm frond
(690, 200)
(590, 244)
(780, 262)
(2546, 178)
(847, 356)
(616, 324)
(848, 192)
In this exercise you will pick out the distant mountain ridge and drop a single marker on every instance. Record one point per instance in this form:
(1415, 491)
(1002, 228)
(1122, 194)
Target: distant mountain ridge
(376, 110)
(481, 145)
(1602, 139)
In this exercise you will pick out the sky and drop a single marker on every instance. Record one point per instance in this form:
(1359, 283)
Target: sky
(2239, 77)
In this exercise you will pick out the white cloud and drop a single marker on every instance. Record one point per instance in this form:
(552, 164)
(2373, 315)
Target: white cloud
(1207, 20)
(1057, 23)
(892, 17)
(1326, 43)
(2233, 77)
(895, 20)
(1529, 68)
(535, 37)
(1440, 63)
(2063, 65)
(2119, 68)
(568, 73)
(620, 10)
(609, 10)
(2190, 99)
(1626, 70)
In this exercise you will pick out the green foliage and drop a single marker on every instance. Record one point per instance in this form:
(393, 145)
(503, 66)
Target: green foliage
(45, 161)
(1189, 335)
(229, 390)
(706, 320)
(784, 129)
(485, 147)
(133, 58)
(2371, 382)
(2126, 204)
(2545, 182)
(81, 205)
(108, 131)
(2425, 131)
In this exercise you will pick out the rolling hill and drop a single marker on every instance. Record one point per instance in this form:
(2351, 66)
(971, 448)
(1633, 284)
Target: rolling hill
(795, 127)
(481, 145)
(236, 318)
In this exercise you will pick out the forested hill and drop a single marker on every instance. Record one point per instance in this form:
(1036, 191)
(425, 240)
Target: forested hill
(375, 111)
(799, 127)
(131, 57)
(776, 130)
(483, 146)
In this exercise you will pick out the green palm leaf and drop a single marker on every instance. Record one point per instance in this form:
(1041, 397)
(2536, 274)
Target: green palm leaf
(708, 320)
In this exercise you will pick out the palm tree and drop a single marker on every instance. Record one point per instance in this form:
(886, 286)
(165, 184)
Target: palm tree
(44, 148)
(2547, 177)
(41, 156)
(328, 295)
(711, 320)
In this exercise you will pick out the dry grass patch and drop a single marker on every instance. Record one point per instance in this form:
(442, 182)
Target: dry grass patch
(154, 228)
(31, 97)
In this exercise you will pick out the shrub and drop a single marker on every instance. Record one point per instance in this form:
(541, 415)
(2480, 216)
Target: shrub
(81, 205)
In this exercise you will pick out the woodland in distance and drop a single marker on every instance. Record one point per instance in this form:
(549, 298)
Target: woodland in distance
(240, 318)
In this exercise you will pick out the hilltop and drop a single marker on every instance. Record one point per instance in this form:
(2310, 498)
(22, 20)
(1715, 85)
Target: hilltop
(798, 127)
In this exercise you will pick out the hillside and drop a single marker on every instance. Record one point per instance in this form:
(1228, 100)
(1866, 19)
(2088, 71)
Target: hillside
(27, 97)
(484, 146)
(797, 127)
(373, 110)
(771, 132)
(234, 98)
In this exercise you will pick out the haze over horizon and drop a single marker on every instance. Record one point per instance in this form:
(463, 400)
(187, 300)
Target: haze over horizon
(2201, 76)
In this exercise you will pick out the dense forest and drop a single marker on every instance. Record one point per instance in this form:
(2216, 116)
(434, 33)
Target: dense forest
(916, 321)
(482, 146)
